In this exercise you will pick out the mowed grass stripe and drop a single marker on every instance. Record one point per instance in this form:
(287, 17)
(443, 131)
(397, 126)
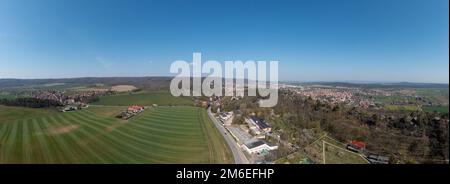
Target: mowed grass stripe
(177, 124)
(117, 143)
(11, 143)
(66, 148)
(57, 152)
(159, 126)
(155, 136)
(159, 135)
(103, 140)
(42, 142)
(5, 136)
(162, 124)
(26, 145)
(174, 146)
(73, 155)
(70, 138)
(136, 143)
(208, 143)
(180, 148)
(166, 134)
(88, 141)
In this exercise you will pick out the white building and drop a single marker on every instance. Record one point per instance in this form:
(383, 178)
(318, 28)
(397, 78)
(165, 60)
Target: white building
(258, 146)
(262, 125)
(226, 117)
(239, 135)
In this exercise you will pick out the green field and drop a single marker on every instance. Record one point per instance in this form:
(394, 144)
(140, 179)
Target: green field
(144, 98)
(388, 99)
(435, 108)
(93, 135)
(403, 108)
(7, 95)
(8, 114)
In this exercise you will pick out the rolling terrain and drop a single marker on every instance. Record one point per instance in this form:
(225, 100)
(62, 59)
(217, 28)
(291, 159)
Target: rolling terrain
(93, 135)
(144, 98)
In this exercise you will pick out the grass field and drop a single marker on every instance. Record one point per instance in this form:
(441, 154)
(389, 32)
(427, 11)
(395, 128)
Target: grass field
(403, 107)
(8, 114)
(144, 98)
(388, 99)
(7, 95)
(435, 108)
(92, 135)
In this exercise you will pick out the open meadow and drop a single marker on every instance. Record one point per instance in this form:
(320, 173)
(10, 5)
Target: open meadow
(94, 135)
(144, 98)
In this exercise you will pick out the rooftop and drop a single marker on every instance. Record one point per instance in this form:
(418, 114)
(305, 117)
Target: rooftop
(260, 122)
(254, 144)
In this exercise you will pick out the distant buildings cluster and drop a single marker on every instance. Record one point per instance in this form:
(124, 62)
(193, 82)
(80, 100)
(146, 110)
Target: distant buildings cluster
(131, 111)
(251, 136)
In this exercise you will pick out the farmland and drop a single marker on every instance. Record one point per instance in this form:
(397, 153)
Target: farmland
(403, 107)
(442, 109)
(7, 95)
(144, 98)
(93, 135)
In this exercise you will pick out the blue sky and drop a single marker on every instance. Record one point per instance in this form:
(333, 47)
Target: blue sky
(314, 40)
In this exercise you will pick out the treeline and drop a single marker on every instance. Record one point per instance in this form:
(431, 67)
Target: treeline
(87, 99)
(30, 102)
(405, 136)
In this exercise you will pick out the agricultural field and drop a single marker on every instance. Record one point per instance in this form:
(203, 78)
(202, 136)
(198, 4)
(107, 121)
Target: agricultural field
(388, 99)
(437, 93)
(435, 108)
(144, 98)
(403, 107)
(8, 114)
(93, 135)
(7, 95)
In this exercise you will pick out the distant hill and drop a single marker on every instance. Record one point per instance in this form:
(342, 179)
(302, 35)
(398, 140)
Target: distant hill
(376, 85)
(140, 82)
(164, 83)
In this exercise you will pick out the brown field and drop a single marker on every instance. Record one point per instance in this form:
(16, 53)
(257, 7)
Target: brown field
(123, 88)
(56, 130)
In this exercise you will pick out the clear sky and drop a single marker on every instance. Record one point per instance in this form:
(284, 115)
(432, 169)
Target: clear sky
(314, 40)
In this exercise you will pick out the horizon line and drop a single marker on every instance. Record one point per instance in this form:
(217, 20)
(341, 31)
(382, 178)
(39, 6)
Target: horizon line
(285, 81)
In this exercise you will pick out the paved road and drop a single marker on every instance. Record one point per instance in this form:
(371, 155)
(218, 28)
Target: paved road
(239, 157)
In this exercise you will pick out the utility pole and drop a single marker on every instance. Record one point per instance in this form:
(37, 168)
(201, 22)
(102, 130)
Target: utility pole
(323, 151)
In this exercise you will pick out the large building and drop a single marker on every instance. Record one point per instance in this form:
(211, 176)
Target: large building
(260, 123)
(240, 135)
(258, 146)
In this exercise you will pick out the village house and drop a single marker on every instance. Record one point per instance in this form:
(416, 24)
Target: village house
(131, 111)
(135, 108)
